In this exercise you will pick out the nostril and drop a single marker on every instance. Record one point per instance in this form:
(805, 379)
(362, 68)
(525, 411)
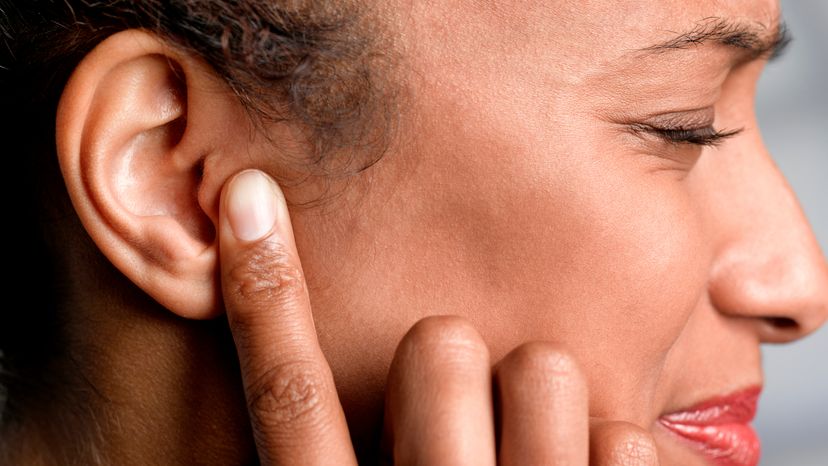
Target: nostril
(780, 329)
(782, 323)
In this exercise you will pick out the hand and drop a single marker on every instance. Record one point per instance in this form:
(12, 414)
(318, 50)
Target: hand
(439, 406)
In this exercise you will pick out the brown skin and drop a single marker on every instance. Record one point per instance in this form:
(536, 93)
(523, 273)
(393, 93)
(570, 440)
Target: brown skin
(514, 197)
(438, 408)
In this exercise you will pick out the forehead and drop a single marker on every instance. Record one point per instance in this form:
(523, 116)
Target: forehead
(586, 29)
(620, 15)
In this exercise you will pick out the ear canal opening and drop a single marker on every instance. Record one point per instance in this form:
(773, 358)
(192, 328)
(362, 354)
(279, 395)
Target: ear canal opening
(203, 230)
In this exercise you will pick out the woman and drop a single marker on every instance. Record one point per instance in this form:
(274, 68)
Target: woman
(581, 186)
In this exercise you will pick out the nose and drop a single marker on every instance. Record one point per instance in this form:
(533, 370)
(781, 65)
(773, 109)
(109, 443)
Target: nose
(768, 266)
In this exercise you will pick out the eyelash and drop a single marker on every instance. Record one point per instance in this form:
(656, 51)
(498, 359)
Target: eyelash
(707, 136)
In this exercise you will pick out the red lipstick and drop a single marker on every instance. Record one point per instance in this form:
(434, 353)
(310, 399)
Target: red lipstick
(720, 429)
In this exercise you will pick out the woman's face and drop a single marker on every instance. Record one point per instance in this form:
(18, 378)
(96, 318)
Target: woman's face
(530, 191)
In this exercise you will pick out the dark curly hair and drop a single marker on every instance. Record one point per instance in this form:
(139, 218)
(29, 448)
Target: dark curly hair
(314, 62)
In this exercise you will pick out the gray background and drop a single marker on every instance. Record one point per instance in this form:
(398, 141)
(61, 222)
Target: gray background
(793, 114)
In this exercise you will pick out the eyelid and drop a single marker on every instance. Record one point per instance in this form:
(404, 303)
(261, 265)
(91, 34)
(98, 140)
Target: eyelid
(684, 120)
(706, 136)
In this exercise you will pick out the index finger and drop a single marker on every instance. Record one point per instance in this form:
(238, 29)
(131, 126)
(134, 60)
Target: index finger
(291, 397)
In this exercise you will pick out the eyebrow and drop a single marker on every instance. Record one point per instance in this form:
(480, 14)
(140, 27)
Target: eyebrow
(753, 40)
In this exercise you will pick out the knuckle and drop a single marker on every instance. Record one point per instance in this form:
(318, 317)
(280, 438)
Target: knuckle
(545, 358)
(287, 396)
(449, 339)
(267, 273)
(625, 444)
(634, 449)
(540, 367)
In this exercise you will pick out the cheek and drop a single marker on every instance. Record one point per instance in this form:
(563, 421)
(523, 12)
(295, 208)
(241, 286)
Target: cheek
(607, 259)
(591, 253)
(528, 231)
(537, 235)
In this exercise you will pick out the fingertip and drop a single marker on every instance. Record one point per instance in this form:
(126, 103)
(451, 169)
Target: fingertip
(251, 205)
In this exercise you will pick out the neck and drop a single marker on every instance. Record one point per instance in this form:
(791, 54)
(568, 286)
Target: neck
(136, 383)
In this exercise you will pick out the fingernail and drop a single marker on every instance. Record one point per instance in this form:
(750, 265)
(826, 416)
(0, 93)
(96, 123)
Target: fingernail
(251, 205)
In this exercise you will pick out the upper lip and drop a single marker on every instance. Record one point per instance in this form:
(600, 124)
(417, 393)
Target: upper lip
(735, 408)
(719, 428)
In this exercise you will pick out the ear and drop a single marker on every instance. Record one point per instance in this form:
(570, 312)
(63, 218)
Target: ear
(135, 125)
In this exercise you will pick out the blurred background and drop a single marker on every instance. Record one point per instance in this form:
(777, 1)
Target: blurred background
(793, 115)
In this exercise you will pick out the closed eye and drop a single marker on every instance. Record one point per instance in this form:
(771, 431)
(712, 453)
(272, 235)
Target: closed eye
(705, 136)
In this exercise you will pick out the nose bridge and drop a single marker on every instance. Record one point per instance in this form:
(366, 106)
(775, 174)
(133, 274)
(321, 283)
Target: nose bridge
(768, 264)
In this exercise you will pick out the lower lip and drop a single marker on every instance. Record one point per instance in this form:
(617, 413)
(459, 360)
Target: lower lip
(720, 428)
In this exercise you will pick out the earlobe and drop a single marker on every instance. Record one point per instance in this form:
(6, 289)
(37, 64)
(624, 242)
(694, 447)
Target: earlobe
(132, 156)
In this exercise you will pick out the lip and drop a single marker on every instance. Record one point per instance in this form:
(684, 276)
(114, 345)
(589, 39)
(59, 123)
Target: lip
(719, 428)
